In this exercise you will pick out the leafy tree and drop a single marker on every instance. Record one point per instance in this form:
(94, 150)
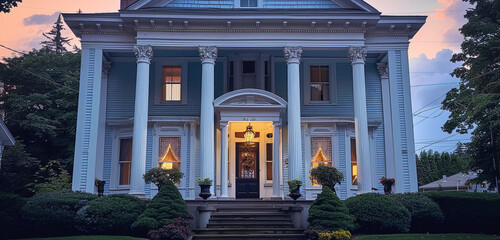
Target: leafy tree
(17, 170)
(327, 212)
(52, 178)
(432, 165)
(474, 104)
(55, 40)
(6, 5)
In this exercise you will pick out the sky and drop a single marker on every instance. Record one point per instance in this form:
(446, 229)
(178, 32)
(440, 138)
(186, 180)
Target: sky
(430, 51)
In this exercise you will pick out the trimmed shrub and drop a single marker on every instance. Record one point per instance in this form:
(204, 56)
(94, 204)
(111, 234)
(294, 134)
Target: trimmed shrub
(112, 214)
(165, 206)
(468, 212)
(326, 176)
(177, 230)
(313, 234)
(425, 213)
(51, 214)
(11, 222)
(377, 213)
(327, 212)
(160, 176)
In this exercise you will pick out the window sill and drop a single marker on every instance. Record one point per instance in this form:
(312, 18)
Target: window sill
(268, 184)
(170, 103)
(320, 104)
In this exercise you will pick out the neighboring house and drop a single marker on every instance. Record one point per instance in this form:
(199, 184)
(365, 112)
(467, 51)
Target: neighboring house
(457, 182)
(6, 139)
(176, 84)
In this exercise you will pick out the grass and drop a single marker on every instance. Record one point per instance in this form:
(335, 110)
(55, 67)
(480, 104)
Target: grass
(87, 238)
(451, 236)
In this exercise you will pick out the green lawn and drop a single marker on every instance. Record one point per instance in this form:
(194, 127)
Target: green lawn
(88, 238)
(452, 236)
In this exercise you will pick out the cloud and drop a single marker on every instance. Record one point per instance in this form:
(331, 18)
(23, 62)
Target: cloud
(40, 19)
(455, 12)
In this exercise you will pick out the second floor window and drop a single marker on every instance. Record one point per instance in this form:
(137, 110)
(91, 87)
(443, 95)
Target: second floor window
(248, 3)
(320, 83)
(171, 83)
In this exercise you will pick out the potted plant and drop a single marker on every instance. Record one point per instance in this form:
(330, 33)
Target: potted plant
(294, 188)
(205, 187)
(100, 186)
(387, 182)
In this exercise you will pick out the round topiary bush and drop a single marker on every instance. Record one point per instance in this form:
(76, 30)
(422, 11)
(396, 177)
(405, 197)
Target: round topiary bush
(51, 214)
(425, 213)
(377, 213)
(112, 214)
(165, 206)
(326, 176)
(327, 212)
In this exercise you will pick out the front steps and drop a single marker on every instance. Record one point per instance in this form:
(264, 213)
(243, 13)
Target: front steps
(249, 222)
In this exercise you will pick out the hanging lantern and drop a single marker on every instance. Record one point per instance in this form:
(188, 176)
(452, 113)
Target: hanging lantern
(249, 134)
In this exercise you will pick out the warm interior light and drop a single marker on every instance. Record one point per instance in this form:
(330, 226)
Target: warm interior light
(249, 134)
(168, 159)
(167, 165)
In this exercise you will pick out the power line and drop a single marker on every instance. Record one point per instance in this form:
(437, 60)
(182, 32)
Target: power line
(428, 145)
(8, 48)
(434, 84)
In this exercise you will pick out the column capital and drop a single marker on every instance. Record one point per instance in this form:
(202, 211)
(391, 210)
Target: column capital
(292, 54)
(383, 70)
(276, 124)
(144, 53)
(106, 66)
(223, 124)
(357, 55)
(208, 54)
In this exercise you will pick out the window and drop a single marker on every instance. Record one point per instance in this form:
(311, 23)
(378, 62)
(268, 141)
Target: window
(248, 3)
(321, 153)
(319, 84)
(125, 160)
(354, 163)
(249, 74)
(171, 83)
(169, 153)
(269, 161)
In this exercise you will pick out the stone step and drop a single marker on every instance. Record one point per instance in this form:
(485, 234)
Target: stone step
(250, 236)
(249, 225)
(248, 209)
(250, 218)
(250, 221)
(247, 231)
(249, 214)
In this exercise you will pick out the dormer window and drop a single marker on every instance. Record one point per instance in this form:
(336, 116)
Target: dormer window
(249, 3)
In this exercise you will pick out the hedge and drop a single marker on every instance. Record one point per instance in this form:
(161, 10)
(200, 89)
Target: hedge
(53, 214)
(425, 213)
(468, 212)
(11, 222)
(377, 213)
(327, 212)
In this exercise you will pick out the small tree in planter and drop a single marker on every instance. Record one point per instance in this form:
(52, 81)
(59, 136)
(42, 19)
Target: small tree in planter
(294, 188)
(160, 176)
(326, 176)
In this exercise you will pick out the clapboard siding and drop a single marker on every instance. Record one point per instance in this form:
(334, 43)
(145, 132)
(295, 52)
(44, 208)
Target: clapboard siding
(108, 152)
(121, 90)
(300, 4)
(402, 122)
(149, 158)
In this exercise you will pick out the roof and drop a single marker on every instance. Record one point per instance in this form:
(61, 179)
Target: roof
(458, 180)
(6, 137)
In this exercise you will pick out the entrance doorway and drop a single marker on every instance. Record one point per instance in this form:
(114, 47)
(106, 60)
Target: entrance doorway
(247, 170)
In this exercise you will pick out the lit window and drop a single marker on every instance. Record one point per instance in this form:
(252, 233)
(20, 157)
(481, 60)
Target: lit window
(320, 83)
(354, 163)
(125, 160)
(269, 161)
(169, 152)
(321, 153)
(171, 86)
(248, 3)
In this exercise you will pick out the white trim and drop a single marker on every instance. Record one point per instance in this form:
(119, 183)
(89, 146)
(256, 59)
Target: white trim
(118, 134)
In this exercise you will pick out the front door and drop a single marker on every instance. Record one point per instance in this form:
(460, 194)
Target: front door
(247, 170)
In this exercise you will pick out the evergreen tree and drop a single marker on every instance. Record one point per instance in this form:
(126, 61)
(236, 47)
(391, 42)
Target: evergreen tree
(327, 212)
(474, 104)
(18, 168)
(6, 5)
(55, 40)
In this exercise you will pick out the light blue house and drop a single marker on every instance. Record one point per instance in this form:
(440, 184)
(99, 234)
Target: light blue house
(177, 83)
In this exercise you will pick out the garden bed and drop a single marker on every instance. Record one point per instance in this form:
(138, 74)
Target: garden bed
(450, 236)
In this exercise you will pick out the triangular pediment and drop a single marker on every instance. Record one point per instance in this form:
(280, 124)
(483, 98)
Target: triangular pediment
(262, 4)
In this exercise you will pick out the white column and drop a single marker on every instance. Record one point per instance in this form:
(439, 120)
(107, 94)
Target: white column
(144, 55)
(383, 70)
(276, 160)
(292, 56)
(358, 57)
(224, 161)
(207, 137)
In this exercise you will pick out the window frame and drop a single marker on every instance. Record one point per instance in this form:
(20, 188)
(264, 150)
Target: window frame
(118, 134)
(308, 63)
(158, 96)
(311, 154)
(260, 4)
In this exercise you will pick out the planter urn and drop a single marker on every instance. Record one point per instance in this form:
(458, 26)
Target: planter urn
(205, 191)
(295, 194)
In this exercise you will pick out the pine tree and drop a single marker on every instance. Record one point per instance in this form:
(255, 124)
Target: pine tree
(56, 41)
(327, 212)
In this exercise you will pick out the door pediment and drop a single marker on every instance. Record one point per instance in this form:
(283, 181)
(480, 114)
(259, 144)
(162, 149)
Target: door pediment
(250, 98)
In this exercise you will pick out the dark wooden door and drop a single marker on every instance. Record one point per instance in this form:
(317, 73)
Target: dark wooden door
(247, 170)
